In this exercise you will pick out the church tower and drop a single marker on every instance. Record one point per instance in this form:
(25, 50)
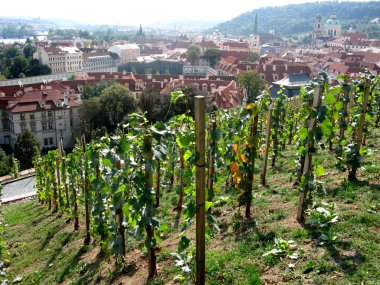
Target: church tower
(318, 29)
(254, 39)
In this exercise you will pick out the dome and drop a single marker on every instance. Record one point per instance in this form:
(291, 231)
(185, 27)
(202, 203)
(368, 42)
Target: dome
(332, 22)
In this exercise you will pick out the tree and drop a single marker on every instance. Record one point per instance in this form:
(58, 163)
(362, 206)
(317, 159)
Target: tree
(90, 114)
(12, 52)
(28, 51)
(212, 55)
(26, 148)
(34, 68)
(18, 67)
(193, 53)
(252, 84)
(149, 103)
(116, 101)
(5, 163)
(252, 57)
(95, 90)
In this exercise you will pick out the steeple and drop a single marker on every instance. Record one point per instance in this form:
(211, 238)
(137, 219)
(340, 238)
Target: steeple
(140, 30)
(255, 26)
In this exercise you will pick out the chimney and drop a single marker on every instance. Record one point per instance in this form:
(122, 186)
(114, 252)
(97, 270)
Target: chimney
(181, 76)
(286, 66)
(162, 84)
(149, 76)
(66, 98)
(264, 67)
(274, 67)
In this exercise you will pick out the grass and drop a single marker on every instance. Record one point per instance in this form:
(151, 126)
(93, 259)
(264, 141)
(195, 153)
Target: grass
(45, 249)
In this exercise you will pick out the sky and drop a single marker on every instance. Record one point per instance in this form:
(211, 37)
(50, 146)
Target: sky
(127, 12)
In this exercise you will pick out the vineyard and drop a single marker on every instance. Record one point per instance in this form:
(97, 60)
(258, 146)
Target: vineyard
(245, 196)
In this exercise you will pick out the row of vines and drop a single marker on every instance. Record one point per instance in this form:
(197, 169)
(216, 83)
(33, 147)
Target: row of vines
(114, 184)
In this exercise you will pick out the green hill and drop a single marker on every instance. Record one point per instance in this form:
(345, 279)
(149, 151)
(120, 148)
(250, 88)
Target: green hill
(299, 18)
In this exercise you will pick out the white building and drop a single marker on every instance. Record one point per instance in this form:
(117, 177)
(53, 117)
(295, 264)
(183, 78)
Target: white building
(50, 114)
(126, 52)
(332, 27)
(60, 59)
(100, 62)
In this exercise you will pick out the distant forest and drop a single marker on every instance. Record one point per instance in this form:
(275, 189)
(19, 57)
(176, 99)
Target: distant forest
(299, 18)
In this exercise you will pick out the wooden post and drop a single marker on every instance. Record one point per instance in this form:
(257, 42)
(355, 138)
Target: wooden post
(253, 149)
(181, 183)
(57, 163)
(343, 120)
(200, 130)
(75, 201)
(267, 146)
(359, 138)
(120, 165)
(86, 194)
(211, 166)
(158, 180)
(148, 154)
(308, 158)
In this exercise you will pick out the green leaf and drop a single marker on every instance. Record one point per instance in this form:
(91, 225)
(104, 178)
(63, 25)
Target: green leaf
(329, 98)
(319, 171)
(303, 133)
(183, 243)
(327, 127)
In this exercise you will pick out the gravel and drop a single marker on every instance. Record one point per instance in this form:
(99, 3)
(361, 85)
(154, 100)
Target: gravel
(19, 187)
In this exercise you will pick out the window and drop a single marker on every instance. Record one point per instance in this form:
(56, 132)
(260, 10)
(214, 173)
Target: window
(50, 125)
(44, 128)
(32, 116)
(33, 127)
(23, 127)
(22, 117)
(6, 124)
(50, 113)
(46, 141)
(43, 114)
(51, 140)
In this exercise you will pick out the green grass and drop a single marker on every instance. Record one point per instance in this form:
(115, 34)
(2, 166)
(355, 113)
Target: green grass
(45, 249)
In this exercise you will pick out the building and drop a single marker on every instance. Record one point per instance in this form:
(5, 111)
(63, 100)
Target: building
(126, 52)
(291, 85)
(60, 59)
(322, 31)
(50, 112)
(102, 61)
(254, 39)
(332, 27)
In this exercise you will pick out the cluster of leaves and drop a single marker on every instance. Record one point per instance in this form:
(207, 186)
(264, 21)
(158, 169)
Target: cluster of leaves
(283, 248)
(106, 105)
(14, 64)
(322, 216)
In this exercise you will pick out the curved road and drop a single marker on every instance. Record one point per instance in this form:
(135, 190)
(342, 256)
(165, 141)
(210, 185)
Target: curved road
(24, 186)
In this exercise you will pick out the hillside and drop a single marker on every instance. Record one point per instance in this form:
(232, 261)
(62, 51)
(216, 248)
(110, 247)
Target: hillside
(299, 18)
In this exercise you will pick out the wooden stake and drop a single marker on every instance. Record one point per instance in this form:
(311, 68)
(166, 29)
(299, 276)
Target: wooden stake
(148, 154)
(200, 139)
(158, 180)
(267, 146)
(181, 182)
(308, 158)
(120, 165)
(211, 161)
(359, 138)
(86, 194)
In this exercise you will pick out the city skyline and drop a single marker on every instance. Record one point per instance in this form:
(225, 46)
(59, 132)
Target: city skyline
(120, 13)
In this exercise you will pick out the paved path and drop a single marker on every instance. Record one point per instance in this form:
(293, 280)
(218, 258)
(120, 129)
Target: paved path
(19, 188)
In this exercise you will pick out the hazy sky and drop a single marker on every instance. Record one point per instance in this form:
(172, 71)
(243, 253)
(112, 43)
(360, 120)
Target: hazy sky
(135, 12)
